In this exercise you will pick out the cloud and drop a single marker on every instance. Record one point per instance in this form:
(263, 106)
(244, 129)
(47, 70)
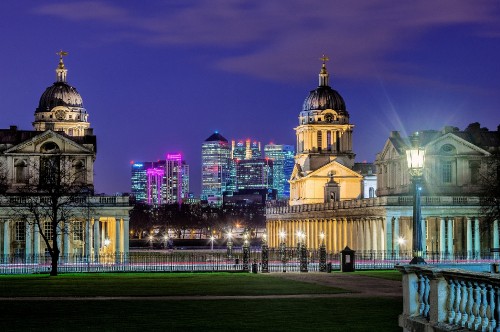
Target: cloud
(270, 39)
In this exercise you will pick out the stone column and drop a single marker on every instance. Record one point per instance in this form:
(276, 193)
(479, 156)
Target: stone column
(424, 237)
(28, 249)
(469, 238)
(118, 235)
(442, 238)
(66, 230)
(6, 238)
(97, 239)
(396, 236)
(477, 236)
(344, 230)
(36, 243)
(374, 234)
(450, 238)
(495, 238)
(87, 240)
(334, 235)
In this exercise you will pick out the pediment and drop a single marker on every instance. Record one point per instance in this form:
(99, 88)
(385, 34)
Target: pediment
(462, 146)
(340, 171)
(36, 144)
(388, 151)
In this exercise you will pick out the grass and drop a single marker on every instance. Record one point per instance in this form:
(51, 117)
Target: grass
(383, 274)
(267, 314)
(155, 284)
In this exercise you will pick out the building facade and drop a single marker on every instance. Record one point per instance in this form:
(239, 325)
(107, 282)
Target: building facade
(283, 162)
(254, 174)
(57, 158)
(215, 168)
(377, 218)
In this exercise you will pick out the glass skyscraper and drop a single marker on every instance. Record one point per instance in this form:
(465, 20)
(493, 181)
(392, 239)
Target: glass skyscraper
(283, 162)
(215, 161)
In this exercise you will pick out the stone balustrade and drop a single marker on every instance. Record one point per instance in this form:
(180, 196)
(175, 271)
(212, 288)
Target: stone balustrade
(84, 200)
(372, 202)
(445, 299)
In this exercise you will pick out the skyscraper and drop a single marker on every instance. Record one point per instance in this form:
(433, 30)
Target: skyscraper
(215, 158)
(254, 174)
(283, 162)
(176, 178)
(245, 149)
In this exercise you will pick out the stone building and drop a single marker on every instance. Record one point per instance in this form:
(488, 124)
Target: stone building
(62, 146)
(326, 192)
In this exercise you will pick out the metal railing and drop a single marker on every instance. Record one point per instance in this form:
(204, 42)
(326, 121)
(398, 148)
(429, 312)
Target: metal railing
(288, 260)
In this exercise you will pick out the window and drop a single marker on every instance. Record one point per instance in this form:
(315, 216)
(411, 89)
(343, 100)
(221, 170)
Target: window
(320, 140)
(48, 230)
(78, 231)
(371, 192)
(21, 171)
(79, 171)
(446, 171)
(20, 231)
(49, 170)
(474, 172)
(329, 140)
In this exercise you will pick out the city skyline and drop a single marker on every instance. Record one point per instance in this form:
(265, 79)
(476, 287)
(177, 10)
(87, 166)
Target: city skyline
(162, 77)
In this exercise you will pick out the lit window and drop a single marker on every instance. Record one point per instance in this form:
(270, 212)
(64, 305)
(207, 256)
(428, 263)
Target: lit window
(446, 171)
(78, 231)
(48, 230)
(20, 231)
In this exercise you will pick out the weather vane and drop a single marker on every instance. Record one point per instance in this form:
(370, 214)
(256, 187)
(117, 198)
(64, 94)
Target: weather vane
(324, 58)
(61, 53)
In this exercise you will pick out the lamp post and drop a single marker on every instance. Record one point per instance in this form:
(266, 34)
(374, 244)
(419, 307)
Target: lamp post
(265, 254)
(415, 157)
(322, 253)
(302, 251)
(283, 249)
(212, 238)
(246, 252)
(229, 245)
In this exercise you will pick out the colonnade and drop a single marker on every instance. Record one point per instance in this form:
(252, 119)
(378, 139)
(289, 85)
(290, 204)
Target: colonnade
(443, 236)
(357, 233)
(312, 138)
(95, 237)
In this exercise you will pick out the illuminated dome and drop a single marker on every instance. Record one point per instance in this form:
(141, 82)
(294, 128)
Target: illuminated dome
(324, 97)
(59, 94)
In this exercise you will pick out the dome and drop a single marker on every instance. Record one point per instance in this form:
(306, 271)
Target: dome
(322, 98)
(59, 94)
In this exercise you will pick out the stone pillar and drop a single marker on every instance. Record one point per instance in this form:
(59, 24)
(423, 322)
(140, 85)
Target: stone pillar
(97, 239)
(450, 238)
(424, 237)
(469, 238)
(118, 235)
(442, 238)
(477, 237)
(28, 249)
(334, 236)
(36, 243)
(344, 230)
(6, 238)
(396, 236)
(87, 240)
(66, 230)
(373, 224)
(495, 238)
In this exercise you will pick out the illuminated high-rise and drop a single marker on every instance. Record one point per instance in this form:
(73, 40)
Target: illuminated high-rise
(254, 174)
(245, 149)
(283, 162)
(215, 159)
(176, 178)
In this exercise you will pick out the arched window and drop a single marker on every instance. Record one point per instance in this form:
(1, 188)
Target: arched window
(474, 167)
(79, 171)
(320, 140)
(371, 192)
(21, 171)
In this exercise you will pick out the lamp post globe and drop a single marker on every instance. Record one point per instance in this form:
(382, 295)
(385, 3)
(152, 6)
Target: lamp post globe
(416, 159)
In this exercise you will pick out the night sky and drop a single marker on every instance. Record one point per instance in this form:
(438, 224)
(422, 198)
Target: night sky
(160, 77)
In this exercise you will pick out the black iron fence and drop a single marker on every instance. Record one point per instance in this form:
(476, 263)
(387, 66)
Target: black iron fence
(235, 259)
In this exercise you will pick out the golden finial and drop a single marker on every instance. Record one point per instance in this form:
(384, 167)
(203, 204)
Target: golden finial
(61, 53)
(324, 59)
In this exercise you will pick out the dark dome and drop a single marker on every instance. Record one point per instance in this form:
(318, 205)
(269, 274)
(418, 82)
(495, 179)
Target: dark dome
(59, 94)
(322, 98)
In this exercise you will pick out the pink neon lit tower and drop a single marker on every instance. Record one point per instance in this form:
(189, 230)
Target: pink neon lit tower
(155, 184)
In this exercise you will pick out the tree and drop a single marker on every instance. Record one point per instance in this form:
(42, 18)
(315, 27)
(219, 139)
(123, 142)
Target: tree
(51, 194)
(490, 189)
(141, 219)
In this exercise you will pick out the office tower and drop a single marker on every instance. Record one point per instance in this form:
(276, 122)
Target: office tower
(176, 178)
(139, 181)
(254, 174)
(155, 186)
(283, 162)
(215, 157)
(245, 149)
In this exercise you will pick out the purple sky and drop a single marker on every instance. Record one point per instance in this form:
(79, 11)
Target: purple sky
(161, 76)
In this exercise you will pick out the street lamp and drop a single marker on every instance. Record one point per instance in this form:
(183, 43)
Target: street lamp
(265, 254)
(246, 252)
(416, 157)
(229, 245)
(322, 253)
(283, 249)
(212, 238)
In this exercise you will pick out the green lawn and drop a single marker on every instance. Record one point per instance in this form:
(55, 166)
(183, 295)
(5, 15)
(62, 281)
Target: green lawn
(266, 314)
(155, 284)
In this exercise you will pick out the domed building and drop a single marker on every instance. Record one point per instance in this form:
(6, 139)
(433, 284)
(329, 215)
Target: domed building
(324, 159)
(57, 158)
(61, 106)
